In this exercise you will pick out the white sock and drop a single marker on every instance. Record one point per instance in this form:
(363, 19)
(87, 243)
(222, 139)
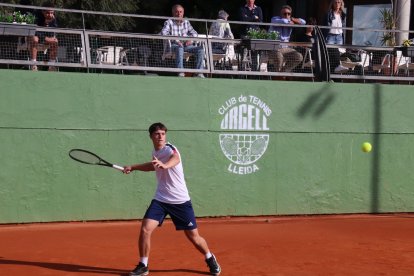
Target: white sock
(208, 255)
(144, 260)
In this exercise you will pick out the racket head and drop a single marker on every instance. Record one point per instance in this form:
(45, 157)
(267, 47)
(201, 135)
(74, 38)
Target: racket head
(257, 146)
(229, 145)
(87, 157)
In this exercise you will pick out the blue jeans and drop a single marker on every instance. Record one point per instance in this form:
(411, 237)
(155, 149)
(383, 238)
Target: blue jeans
(179, 54)
(335, 39)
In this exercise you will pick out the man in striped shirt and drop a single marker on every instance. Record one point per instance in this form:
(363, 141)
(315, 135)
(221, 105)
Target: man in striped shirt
(178, 26)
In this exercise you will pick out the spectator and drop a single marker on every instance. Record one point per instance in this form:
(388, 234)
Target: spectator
(251, 13)
(46, 18)
(221, 28)
(286, 55)
(335, 19)
(178, 26)
(309, 34)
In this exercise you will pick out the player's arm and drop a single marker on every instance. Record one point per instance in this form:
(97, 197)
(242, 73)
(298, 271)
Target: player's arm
(172, 162)
(145, 167)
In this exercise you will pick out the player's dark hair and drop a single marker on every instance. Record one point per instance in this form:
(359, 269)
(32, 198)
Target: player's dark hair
(157, 126)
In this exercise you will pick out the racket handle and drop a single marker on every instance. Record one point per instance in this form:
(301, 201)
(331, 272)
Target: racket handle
(117, 167)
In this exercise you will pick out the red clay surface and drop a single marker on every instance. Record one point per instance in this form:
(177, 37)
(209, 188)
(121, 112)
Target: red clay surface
(316, 245)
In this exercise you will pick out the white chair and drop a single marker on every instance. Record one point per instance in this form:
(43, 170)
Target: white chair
(111, 55)
(364, 63)
(404, 63)
(226, 58)
(308, 62)
(385, 64)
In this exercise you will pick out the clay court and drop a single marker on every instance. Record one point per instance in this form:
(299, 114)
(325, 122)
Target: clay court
(312, 245)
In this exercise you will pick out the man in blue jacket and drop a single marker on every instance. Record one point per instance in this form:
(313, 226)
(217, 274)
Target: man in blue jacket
(286, 55)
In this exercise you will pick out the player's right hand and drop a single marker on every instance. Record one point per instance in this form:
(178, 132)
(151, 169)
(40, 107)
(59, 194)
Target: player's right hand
(127, 169)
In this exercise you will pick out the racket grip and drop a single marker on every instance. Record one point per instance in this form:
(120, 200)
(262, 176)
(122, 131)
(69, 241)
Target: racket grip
(117, 167)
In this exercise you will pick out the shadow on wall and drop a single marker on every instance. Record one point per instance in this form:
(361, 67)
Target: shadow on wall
(376, 140)
(317, 103)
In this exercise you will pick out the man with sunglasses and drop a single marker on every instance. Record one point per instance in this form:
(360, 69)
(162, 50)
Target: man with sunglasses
(286, 55)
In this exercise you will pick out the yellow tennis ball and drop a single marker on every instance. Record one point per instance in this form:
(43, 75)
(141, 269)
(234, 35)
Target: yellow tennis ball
(366, 147)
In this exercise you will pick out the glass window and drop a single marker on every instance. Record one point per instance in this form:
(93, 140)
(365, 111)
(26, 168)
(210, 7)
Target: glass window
(368, 16)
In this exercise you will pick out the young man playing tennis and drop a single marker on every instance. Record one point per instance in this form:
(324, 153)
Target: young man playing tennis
(171, 198)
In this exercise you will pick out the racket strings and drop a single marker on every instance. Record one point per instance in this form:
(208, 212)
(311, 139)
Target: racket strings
(258, 146)
(85, 157)
(229, 145)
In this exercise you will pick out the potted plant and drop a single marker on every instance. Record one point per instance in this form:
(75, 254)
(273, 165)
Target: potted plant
(27, 18)
(17, 24)
(17, 17)
(6, 18)
(408, 48)
(259, 39)
(388, 21)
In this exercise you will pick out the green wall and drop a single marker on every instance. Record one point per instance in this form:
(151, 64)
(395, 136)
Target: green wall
(312, 163)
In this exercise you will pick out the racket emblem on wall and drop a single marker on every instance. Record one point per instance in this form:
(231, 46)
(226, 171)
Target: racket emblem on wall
(91, 158)
(243, 149)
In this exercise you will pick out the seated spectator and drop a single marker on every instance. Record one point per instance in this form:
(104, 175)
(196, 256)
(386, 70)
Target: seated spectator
(44, 19)
(309, 34)
(285, 55)
(221, 28)
(251, 13)
(178, 26)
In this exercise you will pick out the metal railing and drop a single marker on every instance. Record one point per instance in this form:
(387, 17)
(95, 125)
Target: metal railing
(98, 51)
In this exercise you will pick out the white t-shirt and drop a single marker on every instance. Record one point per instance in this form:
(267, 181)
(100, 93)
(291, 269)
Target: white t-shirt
(171, 184)
(337, 22)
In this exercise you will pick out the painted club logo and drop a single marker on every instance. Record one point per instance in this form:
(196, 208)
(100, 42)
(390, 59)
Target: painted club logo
(249, 115)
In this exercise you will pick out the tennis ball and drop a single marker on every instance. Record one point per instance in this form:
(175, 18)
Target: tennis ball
(366, 147)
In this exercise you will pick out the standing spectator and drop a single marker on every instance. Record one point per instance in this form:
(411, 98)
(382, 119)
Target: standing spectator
(286, 55)
(44, 19)
(335, 19)
(221, 28)
(178, 26)
(251, 13)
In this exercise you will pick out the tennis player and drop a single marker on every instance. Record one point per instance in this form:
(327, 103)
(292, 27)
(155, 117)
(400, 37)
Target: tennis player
(171, 198)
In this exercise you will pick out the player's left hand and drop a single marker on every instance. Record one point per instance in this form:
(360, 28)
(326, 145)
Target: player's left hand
(157, 163)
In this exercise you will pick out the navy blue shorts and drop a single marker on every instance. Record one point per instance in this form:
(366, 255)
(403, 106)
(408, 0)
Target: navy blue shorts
(182, 215)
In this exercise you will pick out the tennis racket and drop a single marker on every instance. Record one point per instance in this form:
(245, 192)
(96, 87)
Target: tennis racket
(91, 158)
